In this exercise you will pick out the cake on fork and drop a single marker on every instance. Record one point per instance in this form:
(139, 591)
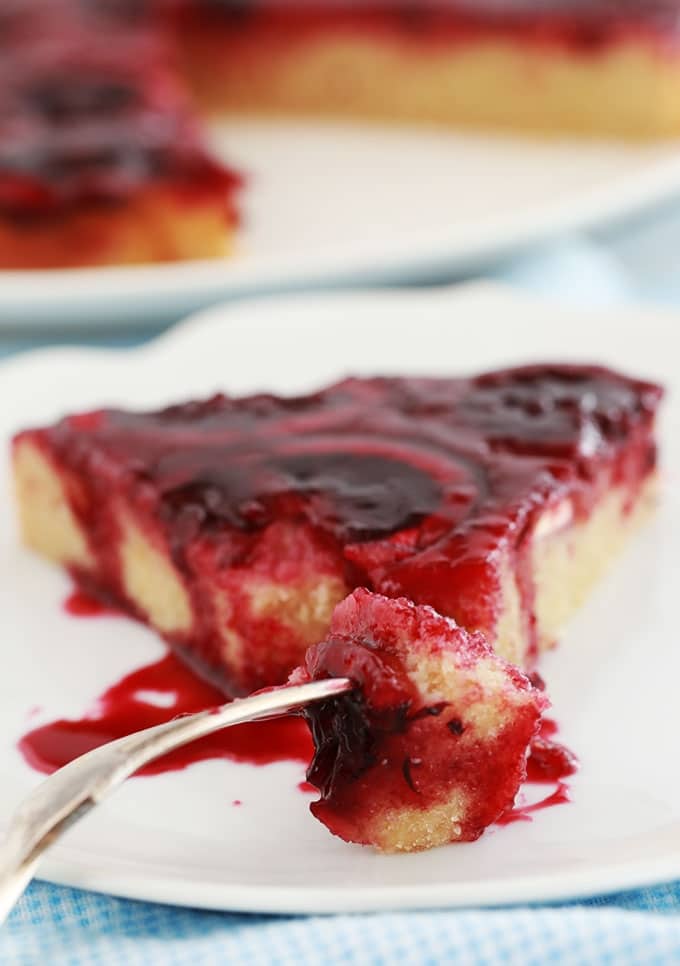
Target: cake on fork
(431, 746)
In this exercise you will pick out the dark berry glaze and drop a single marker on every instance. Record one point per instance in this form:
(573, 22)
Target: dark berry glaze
(423, 488)
(349, 732)
(92, 111)
(582, 26)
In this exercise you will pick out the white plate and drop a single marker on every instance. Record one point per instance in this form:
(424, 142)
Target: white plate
(331, 203)
(613, 680)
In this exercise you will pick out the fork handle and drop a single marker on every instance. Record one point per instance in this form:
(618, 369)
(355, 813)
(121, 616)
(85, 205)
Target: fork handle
(13, 883)
(72, 791)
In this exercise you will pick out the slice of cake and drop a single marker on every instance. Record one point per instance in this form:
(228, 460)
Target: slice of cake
(101, 157)
(431, 746)
(594, 67)
(233, 526)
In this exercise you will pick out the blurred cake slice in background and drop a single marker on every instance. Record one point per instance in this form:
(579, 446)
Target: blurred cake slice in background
(587, 67)
(102, 158)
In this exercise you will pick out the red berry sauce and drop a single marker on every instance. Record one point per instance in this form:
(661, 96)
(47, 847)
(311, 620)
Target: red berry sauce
(80, 604)
(129, 705)
(549, 761)
(523, 813)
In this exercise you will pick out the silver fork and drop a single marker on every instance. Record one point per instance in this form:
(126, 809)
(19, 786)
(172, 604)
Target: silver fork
(70, 793)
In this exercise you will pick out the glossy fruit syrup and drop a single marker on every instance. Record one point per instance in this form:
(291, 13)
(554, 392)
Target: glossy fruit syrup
(81, 604)
(152, 695)
(523, 813)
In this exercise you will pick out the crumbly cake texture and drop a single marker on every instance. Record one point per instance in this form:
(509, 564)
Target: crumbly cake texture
(102, 157)
(431, 745)
(233, 526)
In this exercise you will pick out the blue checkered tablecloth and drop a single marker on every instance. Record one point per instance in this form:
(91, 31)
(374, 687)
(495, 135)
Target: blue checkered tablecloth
(65, 926)
(640, 261)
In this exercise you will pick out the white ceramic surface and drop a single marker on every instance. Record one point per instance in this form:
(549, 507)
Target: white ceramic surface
(337, 204)
(613, 680)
